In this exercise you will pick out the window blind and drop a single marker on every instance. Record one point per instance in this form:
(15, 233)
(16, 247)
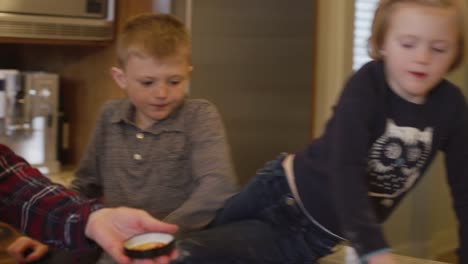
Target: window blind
(363, 15)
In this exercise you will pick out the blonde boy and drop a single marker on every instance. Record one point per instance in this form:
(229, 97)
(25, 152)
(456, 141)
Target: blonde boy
(155, 150)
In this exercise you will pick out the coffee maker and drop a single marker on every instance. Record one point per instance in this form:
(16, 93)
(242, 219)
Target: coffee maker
(28, 116)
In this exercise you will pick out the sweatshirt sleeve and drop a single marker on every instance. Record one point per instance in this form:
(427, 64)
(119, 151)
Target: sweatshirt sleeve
(349, 135)
(456, 160)
(45, 211)
(211, 169)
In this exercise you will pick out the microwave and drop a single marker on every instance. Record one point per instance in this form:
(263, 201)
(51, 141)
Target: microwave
(57, 19)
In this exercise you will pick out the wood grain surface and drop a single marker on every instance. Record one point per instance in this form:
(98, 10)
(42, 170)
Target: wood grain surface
(7, 235)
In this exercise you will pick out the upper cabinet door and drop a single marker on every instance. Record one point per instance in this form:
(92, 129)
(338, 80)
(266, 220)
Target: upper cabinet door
(75, 8)
(52, 21)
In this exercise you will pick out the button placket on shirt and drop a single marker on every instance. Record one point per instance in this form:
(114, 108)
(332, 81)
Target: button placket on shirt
(139, 136)
(137, 156)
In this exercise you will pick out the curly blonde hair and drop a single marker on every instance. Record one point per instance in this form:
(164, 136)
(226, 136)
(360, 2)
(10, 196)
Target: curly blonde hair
(382, 17)
(156, 35)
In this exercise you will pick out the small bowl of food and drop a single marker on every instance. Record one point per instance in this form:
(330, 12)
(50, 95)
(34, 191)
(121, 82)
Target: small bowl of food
(149, 245)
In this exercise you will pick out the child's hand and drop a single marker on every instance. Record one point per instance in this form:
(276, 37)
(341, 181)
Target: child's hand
(27, 250)
(386, 258)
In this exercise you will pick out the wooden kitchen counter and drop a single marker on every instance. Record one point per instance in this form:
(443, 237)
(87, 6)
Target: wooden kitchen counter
(7, 235)
(64, 177)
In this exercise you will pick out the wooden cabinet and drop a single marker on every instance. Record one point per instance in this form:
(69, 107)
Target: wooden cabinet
(85, 83)
(54, 41)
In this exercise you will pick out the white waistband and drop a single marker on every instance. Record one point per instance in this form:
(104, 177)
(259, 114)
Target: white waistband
(289, 171)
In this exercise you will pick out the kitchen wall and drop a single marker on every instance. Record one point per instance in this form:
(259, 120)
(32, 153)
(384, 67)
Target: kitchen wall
(254, 60)
(424, 225)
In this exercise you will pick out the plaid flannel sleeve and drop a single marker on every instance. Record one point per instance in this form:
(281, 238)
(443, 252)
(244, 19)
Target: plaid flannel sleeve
(45, 211)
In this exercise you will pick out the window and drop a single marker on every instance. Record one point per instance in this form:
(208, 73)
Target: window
(363, 15)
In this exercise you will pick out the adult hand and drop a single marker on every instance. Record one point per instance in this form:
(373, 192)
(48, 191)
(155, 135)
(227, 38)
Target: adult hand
(20, 247)
(109, 227)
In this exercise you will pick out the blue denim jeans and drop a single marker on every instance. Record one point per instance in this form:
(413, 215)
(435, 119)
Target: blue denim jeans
(261, 224)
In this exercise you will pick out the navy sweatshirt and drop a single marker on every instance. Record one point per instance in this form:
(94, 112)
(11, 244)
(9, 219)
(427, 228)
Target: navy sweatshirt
(374, 150)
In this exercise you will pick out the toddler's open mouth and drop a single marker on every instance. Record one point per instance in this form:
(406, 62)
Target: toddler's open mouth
(419, 75)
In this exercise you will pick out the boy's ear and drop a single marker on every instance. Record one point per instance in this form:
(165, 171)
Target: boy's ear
(190, 70)
(119, 77)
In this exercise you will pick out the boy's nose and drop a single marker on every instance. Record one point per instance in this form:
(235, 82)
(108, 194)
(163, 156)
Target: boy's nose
(161, 91)
(423, 55)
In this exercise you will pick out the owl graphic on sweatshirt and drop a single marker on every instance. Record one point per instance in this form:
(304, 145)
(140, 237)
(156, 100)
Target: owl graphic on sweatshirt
(396, 160)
